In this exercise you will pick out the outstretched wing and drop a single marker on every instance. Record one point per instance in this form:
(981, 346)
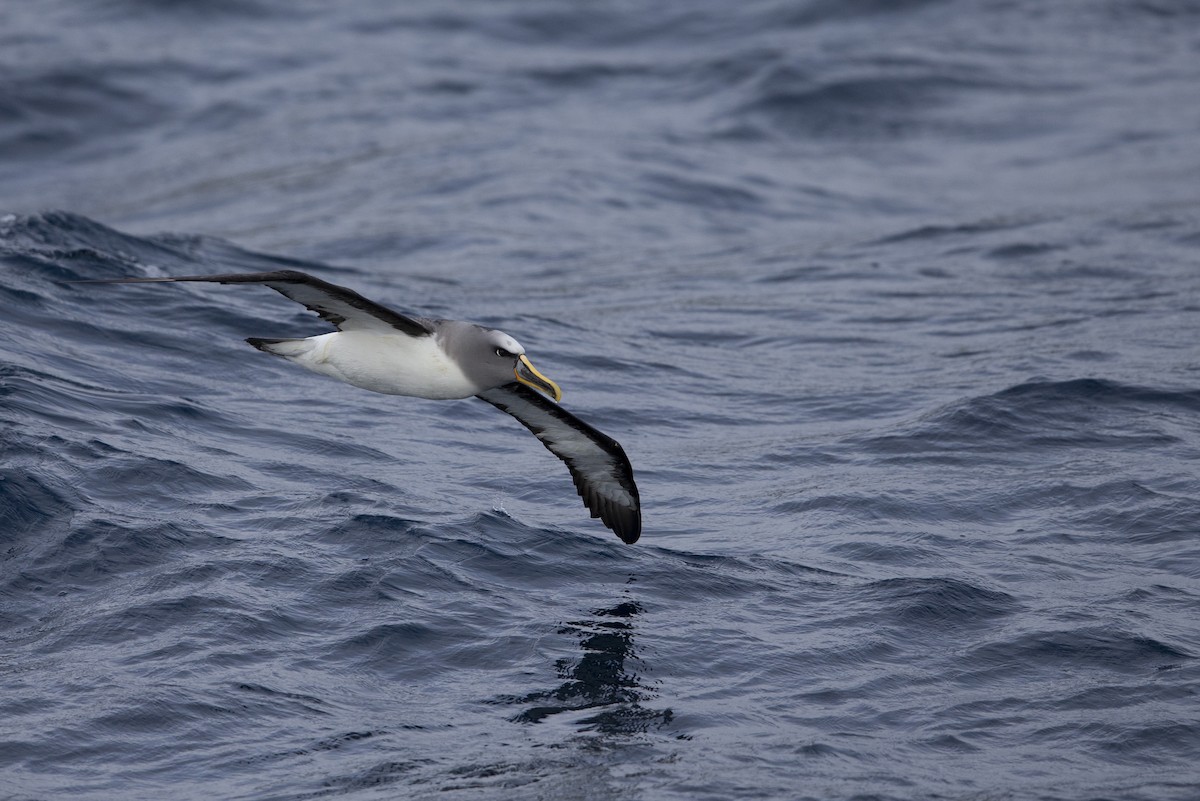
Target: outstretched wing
(342, 307)
(598, 465)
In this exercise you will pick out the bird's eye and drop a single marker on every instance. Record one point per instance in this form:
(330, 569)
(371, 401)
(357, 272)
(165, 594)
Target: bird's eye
(503, 354)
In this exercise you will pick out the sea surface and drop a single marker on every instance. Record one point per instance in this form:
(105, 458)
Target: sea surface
(893, 304)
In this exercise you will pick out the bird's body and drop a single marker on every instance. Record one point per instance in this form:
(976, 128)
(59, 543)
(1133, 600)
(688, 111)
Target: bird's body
(381, 350)
(394, 364)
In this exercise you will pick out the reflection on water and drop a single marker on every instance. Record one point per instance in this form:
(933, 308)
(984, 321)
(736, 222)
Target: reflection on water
(603, 678)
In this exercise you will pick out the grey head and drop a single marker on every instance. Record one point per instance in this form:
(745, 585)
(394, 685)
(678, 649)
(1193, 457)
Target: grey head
(490, 358)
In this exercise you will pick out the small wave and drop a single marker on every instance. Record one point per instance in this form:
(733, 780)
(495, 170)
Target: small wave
(1040, 415)
(1090, 649)
(48, 112)
(29, 502)
(964, 231)
(899, 99)
(823, 11)
(1100, 392)
(936, 602)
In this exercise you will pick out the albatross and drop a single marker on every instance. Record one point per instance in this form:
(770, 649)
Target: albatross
(385, 351)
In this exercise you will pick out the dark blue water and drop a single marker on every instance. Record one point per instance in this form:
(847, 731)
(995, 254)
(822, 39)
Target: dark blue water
(894, 307)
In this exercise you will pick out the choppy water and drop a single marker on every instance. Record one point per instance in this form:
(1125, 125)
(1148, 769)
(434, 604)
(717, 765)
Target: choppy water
(892, 305)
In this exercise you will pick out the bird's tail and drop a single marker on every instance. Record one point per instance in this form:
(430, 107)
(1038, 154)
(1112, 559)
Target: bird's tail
(287, 348)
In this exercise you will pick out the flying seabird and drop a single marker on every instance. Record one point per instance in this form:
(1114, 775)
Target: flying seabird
(384, 351)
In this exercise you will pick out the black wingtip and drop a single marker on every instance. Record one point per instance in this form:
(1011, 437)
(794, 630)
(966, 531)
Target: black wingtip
(624, 522)
(627, 523)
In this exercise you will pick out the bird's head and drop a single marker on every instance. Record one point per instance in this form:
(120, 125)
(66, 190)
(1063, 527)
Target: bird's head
(505, 359)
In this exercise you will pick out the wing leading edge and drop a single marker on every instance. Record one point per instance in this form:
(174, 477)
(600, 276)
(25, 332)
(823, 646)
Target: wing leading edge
(337, 305)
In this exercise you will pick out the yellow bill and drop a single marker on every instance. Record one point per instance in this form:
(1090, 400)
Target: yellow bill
(528, 375)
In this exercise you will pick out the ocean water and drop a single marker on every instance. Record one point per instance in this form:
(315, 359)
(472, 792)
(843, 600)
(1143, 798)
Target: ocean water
(893, 305)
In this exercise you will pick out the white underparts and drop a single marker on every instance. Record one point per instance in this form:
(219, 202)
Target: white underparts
(392, 364)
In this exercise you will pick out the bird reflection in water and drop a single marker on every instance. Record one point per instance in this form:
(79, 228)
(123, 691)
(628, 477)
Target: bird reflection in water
(603, 678)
